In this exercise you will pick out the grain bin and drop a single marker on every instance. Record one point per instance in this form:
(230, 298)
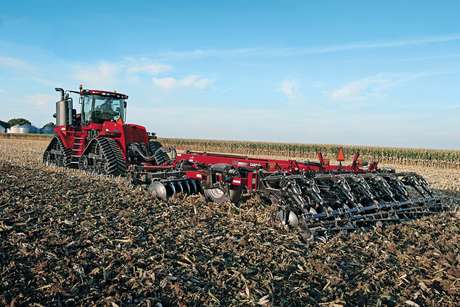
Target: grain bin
(23, 129)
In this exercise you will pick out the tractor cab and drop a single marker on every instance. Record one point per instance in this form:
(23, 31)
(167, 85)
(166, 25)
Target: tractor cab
(101, 106)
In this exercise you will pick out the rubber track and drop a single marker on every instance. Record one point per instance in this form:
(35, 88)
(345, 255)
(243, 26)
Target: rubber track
(160, 157)
(154, 146)
(158, 153)
(119, 157)
(67, 151)
(113, 156)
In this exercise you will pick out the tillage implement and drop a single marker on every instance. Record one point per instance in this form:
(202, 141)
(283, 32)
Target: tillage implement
(315, 197)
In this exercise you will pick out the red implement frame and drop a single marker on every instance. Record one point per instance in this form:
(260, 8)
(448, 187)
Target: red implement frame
(252, 166)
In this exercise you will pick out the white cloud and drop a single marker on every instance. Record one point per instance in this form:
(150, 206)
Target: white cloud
(165, 83)
(358, 89)
(41, 100)
(136, 65)
(191, 81)
(111, 73)
(196, 81)
(14, 63)
(302, 51)
(373, 86)
(152, 68)
(134, 70)
(289, 88)
(102, 74)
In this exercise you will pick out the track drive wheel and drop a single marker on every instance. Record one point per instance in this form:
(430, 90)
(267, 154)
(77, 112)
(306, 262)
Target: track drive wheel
(103, 157)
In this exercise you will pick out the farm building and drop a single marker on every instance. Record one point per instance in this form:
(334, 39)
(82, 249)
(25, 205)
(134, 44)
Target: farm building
(23, 129)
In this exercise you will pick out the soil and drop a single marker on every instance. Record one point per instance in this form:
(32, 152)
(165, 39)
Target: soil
(69, 238)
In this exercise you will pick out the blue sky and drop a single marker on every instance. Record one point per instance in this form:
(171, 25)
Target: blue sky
(345, 72)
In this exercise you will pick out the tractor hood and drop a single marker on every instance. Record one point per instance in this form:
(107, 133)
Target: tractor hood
(135, 134)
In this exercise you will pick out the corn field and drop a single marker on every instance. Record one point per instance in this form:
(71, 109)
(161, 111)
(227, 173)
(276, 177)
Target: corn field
(440, 158)
(393, 155)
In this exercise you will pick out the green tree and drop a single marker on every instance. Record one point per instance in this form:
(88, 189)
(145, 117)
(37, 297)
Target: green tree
(18, 121)
(4, 124)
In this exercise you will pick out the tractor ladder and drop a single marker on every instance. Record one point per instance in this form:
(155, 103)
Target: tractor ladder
(77, 148)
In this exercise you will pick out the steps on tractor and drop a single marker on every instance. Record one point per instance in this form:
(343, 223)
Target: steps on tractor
(76, 149)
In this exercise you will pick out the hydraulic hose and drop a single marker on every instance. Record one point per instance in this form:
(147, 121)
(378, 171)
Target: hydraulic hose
(135, 147)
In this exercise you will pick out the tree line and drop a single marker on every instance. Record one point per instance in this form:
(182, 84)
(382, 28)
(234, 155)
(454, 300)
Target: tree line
(20, 121)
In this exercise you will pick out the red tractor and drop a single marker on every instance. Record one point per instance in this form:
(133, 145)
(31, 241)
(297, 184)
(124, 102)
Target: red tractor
(311, 195)
(98, 139)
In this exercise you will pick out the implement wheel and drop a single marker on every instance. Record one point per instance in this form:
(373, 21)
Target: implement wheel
(219, 196)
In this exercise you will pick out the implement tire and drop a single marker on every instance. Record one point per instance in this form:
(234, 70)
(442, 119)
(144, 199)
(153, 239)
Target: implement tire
(220, 196)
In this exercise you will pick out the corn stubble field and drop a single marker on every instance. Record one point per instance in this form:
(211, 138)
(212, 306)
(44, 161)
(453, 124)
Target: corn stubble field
(71, 238)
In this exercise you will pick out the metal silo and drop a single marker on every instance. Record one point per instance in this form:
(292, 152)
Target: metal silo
(14, 129)
(23, 129)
